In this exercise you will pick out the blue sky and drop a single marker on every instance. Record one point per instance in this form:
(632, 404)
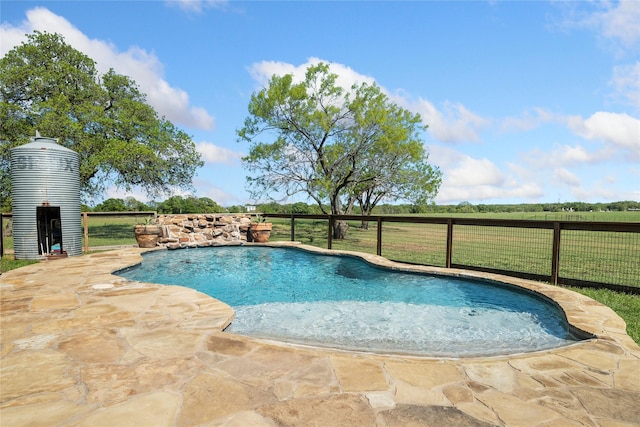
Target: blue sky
(526, 102)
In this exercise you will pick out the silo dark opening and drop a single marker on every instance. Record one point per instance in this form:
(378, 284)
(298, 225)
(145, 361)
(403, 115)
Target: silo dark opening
(49, 227)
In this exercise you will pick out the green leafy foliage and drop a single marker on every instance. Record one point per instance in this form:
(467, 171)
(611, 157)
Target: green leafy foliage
(190, 204)
(337, 147)
(625, 305)
(48, 86)
(128, 204)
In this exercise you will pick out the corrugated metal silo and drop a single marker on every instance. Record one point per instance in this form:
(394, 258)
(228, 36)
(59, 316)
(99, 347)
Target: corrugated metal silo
(45, 188)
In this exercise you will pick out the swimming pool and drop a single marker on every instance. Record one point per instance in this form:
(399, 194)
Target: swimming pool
(339, 301)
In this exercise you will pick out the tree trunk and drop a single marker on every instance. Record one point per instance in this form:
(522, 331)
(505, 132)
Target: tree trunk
(366, 211)
(340, 229)
(339, 226)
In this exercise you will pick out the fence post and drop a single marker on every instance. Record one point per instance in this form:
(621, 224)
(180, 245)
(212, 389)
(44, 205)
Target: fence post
(293, 228)
(449, 242)
(330, 235)
(555, 254)
(1, 237)
(85, 221)
(379, 246)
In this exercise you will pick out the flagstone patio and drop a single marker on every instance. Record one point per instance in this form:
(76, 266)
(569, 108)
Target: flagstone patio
(82, 347)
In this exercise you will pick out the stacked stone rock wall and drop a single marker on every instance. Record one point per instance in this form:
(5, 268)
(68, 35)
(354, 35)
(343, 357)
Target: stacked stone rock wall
(201, 230)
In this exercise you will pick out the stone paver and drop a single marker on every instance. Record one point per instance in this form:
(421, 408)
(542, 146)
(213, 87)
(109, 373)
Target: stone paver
(82, 347)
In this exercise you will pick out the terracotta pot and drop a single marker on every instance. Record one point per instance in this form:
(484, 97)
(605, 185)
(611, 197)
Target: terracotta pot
(260, 232)
(147, 235)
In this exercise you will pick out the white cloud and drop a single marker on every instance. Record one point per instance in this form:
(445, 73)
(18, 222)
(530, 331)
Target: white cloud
(563, 156)
(196, 6)
(571, 155)
(562, 169)
(565, 177)
(617, 129)
(10, 37)
(616, 22)
(453, 123)
(599, 193)
(620, 21)
(619, 134)
(262, 72)
(143, 67)
(220, 196)
(215, 154)
(626, 82)
(466, 178)
(472, 172)
(526, 191)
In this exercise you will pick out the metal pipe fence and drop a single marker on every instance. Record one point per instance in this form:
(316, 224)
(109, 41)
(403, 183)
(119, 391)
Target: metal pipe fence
(575, 253)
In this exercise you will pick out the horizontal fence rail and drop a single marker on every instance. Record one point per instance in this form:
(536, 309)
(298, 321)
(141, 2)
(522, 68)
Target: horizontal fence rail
(572, 253)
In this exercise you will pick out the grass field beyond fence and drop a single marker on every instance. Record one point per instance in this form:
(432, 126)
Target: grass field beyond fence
(574, 253)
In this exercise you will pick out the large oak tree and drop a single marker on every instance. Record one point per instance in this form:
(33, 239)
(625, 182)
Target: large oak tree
(337, 146)
(48, 86)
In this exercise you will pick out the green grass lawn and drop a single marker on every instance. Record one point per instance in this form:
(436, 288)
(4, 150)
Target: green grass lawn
(9, 263)
(112, 230)
(627, 306)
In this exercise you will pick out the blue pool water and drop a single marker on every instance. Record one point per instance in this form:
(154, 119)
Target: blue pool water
(340, 301)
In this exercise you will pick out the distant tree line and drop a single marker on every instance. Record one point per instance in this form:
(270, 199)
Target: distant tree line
(466, 207)
(192, 204)
(173, 205)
